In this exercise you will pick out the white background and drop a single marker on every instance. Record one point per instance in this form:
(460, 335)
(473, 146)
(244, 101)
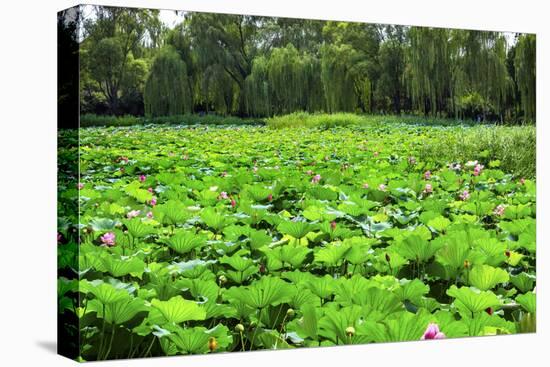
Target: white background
(28, 182)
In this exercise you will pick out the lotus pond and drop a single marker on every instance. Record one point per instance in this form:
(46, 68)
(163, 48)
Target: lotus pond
(197, 239)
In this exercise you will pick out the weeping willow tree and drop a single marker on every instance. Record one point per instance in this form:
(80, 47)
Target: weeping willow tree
(430, 72)
(284, 82)
(167, 90)
(525, 66)
(287, 79)
(257, 96)
(337, 77)
(216, 91)
(482, 68)
(294, 81)
(315, 95)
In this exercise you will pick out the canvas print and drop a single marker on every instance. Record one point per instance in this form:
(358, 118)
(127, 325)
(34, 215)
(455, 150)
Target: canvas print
(232, 183)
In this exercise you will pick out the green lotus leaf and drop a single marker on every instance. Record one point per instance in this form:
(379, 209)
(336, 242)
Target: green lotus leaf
(528, 301)
(454, 251)
(257, 193)
(473, 300)
(137, 228)
(485, 277)
(215, 220)
(185, 241)
(102, 224)
(237, 262)
(117, 312)
(196, 340)
(415, 248)
(377, 300)
(119, 266)
(104, 292)
(172, 212)
(322, 287)
(332, 254)
(411, 290)
(523, 281)
(400, 326)
(134, 190)
(333, 324)
(268, 291)
(439, 223)
(307, 326)
(491, 250)
(176, 310)
(293, 255)
(295, 229)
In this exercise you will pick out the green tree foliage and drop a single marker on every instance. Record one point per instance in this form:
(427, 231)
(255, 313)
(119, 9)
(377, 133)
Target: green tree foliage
(430, 70)
(111, 52)
(338, 77)
(391, 57)
(525, 64)
(258, 101)
(260, 66)
(167, 89)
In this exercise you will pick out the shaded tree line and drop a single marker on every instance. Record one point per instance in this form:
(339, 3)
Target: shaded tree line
(131, 63)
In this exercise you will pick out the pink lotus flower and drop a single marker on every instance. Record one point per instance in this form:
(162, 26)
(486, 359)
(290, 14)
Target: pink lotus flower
(499, 210)
(428, 189)
(233, 203)
(427, 175)
(412, 160)
(382, 187)
(153, 201)
(477, 169)
(150, 215)
(80, 185)
(133, 214)
(59, 237)
(465, 195)
(522, 181)
(365, 185)
(142, 178)
(432, 332)
(150, 189)
(316, 179)
(333, 225)
(270, 197)
(223, 196)
(108, 239)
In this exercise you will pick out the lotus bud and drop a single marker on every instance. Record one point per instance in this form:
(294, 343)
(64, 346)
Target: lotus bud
(333, 225)
(387, 257)
(466, 264)
(212, 344)
(350, 331)
(507, 253)
(290, 313)
(489, 310)
(222, 279)
(239, 328)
